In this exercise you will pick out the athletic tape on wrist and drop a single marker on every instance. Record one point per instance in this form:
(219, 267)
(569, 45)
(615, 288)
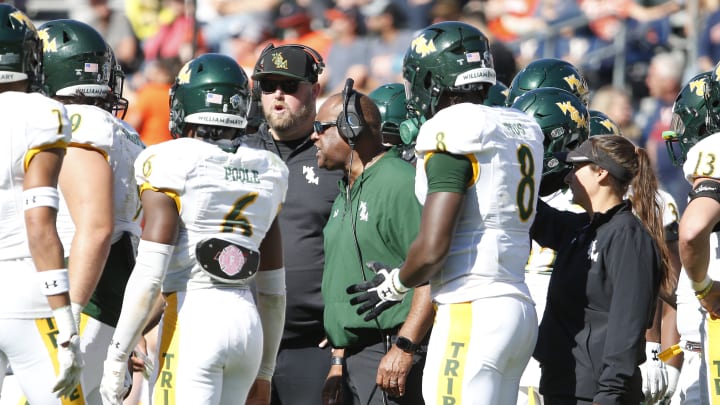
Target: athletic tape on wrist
(41, 197)
(65, 322)
(53, 282)
(701, 285)
(399, 286)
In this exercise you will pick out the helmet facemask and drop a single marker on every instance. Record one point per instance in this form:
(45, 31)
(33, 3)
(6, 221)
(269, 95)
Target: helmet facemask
(692, 120)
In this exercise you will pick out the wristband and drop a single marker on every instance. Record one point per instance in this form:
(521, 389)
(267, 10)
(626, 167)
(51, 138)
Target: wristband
(54, 282)
(699, 286)
(399, 286)
(337, 361)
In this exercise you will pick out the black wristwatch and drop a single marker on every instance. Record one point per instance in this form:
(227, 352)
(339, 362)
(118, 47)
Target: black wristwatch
(406, 345)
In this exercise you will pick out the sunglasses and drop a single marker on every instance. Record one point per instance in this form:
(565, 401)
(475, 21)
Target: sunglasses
(321, 127)
(287, 86)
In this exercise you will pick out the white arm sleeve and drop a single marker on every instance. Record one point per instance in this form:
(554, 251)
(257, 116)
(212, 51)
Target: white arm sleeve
(140, 294)
(271, 306)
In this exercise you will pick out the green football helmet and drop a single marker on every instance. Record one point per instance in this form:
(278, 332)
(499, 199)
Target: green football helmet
(210, 90)
(497, 94)
(78, 61)
(390, 100)
(548, 72)
(601, 124)
(20, 49)
(564, 121)
(447, 56)
(691, 120)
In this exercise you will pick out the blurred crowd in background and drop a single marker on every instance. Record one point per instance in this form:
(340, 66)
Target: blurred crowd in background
(635, 54)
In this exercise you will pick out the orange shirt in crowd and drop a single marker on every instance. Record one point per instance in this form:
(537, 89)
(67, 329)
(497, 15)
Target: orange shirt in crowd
(150, 113)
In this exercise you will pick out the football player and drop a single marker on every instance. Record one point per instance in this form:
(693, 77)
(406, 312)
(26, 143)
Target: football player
(564, 121)
(497, 94)
(692, 141)
(210, 204)
(38, 335)
(478, 174)
(548, 72)
(601, 124)
(99, 219)
(390, 100)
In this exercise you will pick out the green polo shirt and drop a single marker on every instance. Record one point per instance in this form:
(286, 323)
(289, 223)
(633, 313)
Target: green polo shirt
(386, 215)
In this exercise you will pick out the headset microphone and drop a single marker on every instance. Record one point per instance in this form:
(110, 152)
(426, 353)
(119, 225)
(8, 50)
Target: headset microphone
(350, 122)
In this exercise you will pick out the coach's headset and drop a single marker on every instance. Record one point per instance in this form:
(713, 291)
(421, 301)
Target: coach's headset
(350, 122)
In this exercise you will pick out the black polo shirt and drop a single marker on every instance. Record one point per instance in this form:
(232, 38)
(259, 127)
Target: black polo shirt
(311, 192)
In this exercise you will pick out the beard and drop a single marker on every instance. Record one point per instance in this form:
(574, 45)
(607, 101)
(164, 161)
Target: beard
(291, 119)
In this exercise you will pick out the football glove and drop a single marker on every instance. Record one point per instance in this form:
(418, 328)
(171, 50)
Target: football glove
(654, 374)
(673, 378)
(116, 382)
(382, 292)
(70, 364)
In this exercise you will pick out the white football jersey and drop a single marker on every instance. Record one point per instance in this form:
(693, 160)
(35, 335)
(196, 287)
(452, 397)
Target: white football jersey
(96, 129)
(31, 123)
(491, 243)
(702, 161)
(230, 196)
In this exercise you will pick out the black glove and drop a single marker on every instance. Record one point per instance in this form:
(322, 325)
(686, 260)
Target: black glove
(378, 294)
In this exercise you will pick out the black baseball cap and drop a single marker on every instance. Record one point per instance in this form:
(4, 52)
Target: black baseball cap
(585, 154)
(292, 61)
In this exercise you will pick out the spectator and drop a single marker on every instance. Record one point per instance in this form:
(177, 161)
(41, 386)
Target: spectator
(115, 27)
(230, 16)
(349, 53)
(664, 81)
(617, 104)
(177, 38)
(288, 80)
(294, 26)
(148, 112)
(384, 353)
(387, 42)
(708, 50)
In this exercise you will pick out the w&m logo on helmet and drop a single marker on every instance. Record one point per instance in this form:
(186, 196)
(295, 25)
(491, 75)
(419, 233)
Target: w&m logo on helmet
(184, 76)
(23, 19)
(577, 84)
(422, 46)
(48, 45)
(698, 87)
(568, 109)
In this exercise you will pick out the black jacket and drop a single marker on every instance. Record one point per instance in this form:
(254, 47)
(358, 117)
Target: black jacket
(311, 192)
(601, 300)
